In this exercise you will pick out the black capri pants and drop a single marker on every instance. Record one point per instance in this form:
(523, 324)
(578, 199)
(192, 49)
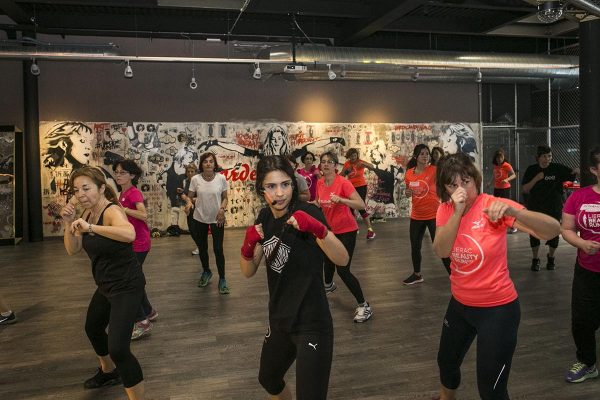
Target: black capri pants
(313, 353)
(535, 242)
(362, 192)
(348, 239)
(496, 330)
(119, 311)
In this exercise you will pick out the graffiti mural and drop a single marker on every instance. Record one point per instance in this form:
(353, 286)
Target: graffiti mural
(164, 149)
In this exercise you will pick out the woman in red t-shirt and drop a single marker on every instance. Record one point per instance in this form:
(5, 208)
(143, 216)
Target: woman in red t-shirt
(354, 170)
(503, 174)
(471, 230)
(420, 186)
(337, 198)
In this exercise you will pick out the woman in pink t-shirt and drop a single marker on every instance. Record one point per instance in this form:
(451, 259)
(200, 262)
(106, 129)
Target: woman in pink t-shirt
(337, 198)
(127, 173)
(471, 230)
(581, 213)
(310, 172)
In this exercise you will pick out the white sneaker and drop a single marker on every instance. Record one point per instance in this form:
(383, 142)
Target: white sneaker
(363, 312)
(195, 252)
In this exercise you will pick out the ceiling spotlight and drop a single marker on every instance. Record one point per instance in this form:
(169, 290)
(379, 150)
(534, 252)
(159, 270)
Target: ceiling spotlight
(343, 73)
(415, 77)
(128, 71)
(549, 11)
(330, 73)
(257, 74)
(478, 76)
(35, 69)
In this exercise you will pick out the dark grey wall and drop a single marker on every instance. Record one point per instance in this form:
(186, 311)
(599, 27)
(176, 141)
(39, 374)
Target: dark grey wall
(97, 91)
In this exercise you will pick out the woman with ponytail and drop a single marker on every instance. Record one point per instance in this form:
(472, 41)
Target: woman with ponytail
(294, 237)
(105, 234)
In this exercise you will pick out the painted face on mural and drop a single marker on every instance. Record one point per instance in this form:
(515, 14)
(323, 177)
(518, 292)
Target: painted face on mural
(82, 147)
(276, 142)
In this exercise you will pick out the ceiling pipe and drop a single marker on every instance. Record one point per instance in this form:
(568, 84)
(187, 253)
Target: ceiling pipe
(585, 6)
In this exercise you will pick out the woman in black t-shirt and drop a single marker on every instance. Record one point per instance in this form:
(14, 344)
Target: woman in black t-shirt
(294, 237)
(105, 234)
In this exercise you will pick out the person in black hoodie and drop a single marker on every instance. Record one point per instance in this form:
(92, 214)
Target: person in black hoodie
(294, 237)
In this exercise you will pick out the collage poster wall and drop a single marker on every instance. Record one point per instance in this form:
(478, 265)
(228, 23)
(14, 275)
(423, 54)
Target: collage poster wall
(164, 149)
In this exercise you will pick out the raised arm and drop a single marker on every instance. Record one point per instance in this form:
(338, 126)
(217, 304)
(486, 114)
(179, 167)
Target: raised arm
(71, 238)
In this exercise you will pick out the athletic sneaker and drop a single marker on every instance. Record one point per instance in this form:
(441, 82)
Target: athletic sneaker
(550, 264)
(223, 289)
(10, 319)
(204, 278)
(153, 315)
(102, 379)
(370, 234)
(414, 278)
(195, 252)
(535, 264)
(141, 329)
(512, 230)
(579, 372)
(330, 288)
(363, 312)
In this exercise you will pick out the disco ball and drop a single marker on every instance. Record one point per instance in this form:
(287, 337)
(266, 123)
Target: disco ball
(550, 11)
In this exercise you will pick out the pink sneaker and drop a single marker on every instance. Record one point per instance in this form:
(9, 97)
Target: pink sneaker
(370, 234)
(141, 329)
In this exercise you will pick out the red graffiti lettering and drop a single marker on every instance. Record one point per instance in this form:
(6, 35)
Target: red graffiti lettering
(240, 172)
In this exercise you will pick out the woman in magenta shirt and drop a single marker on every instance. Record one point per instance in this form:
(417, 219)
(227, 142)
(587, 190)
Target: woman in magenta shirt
(127, 174)
(581, 213)
(310, 172)
(471, 230)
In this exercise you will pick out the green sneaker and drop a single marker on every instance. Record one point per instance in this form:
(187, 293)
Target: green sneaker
(204, 278)
(223, 289)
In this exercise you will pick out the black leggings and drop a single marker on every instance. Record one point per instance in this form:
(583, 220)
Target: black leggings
(496, 330)
(119, 312)
(313, 353)
(146, 307)
(417, 232)
(199, 231)
(348, 239)
(502, 193)
(362, 192)
(585, 313)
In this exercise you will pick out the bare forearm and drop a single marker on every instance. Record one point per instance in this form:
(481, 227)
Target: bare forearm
(445, 236)
(539, 225)
(572, 238)
(72, 242)
(356, 204)
(119, 233)
(138, 214)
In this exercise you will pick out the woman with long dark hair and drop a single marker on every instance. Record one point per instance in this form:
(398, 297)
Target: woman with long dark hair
(127, 173)
(208, 192)
(420, 186)
(105, 234)
(503, 174)
(337, 197)
(437, 153)
(294, 237)
(580, 215)
(471, 230)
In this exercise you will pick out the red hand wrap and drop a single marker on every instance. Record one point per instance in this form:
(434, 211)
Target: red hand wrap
(306, 223)
(252, 237)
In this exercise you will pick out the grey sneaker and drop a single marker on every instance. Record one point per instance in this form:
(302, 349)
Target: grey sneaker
(363, 312)
(579, 372)
(11, 319)
(204, 278)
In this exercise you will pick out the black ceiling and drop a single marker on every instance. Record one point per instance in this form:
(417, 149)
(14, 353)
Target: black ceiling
(460, 25)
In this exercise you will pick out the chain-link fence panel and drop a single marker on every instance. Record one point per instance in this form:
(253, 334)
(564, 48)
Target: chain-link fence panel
(565, 146)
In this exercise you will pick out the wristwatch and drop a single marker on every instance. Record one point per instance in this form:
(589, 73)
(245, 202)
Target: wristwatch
(90, 229)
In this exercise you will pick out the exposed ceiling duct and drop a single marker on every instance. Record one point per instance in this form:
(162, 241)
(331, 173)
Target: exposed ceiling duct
(386, 64)
(585, 5)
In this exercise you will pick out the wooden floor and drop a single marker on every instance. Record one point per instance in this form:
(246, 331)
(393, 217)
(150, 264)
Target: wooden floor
(207, 346)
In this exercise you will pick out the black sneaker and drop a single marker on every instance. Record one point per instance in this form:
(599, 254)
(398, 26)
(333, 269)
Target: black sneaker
(11, 319)
(535, 264)
(550, 264)
(414, 278)
(102, 379)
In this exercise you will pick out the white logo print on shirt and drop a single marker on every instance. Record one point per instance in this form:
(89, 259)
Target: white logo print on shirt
(478, 224)
(282, 254)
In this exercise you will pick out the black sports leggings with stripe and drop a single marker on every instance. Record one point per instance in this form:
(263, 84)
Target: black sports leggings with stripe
(496, 330)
